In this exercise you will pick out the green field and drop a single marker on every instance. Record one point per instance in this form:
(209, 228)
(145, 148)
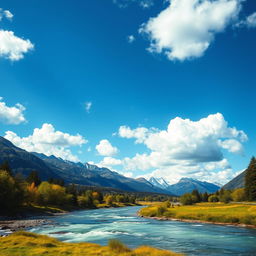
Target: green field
(29, 244)
(212, 212)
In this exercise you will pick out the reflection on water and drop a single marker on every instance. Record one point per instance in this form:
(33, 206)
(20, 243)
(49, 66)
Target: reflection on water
(122, 223)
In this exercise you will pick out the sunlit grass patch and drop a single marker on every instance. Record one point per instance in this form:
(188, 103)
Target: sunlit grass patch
(29, 244)
(213, 212)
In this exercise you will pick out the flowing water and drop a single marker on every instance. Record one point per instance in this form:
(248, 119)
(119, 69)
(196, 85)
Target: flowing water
(122, 223)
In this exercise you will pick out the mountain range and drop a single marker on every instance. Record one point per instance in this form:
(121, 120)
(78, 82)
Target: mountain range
(185, 185)
(24, 162)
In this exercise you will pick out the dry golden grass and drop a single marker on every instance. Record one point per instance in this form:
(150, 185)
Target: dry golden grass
(29, 244)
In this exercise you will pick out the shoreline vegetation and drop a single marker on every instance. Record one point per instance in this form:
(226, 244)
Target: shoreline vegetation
(235, 214)
(31, 244)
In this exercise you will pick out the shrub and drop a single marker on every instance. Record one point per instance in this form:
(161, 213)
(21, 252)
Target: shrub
(117, 246)
(188, 199)
(238, 195)
(225, 197)
(213, 199)
(161, 209)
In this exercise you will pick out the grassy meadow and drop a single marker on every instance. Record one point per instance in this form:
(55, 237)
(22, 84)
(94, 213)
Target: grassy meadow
(29, 244)
(210, 212)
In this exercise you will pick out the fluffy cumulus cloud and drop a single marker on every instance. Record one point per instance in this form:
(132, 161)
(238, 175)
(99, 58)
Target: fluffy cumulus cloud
(186, 148)
(11, 115)
(12, 47)
(110, 161)
(105, 148)
(48, 141)
(186, 28)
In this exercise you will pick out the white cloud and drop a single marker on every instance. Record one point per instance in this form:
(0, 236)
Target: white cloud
(139, 133)
(13, 47)
(110, 161)
(131, 39)
(5, 14)
(48, 141)
(186, 28)
(127, 174)
(186, 148)
(88, 106)
(251, 20)
(105, 148)
(232, 145)
(8, 14)
(11, 115)
(145, 4)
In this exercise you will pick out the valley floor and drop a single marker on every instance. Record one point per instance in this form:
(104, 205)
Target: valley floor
(243, 215)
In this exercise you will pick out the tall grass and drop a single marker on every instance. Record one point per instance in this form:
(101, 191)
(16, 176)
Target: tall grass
(117, 246)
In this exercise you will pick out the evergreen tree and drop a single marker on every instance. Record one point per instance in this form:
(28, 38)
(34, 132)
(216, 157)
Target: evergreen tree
(33, 177)
(197, 196)
(250, 181)
(205, 197)
(6, 167)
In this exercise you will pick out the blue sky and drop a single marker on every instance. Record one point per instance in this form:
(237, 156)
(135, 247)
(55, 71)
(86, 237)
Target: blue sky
(91, 67)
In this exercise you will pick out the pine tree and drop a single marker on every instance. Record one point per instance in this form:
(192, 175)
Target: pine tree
(33, 177)
(250, 181)
(6, 167)
(197, 196)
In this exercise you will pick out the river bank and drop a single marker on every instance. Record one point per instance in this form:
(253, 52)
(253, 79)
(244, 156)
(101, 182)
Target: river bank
(238, 215)
(101, 225)
(198, 221)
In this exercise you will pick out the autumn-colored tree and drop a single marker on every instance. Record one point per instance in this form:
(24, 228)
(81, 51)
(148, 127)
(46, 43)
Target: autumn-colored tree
(238, 195)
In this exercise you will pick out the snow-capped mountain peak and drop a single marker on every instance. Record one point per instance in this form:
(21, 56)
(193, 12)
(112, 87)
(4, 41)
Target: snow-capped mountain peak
(159, 182)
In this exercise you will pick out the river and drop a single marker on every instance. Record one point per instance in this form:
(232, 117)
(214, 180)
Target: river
(122, 223)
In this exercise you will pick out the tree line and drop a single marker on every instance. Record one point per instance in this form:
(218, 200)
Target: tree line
(248, 193)
(17, 192)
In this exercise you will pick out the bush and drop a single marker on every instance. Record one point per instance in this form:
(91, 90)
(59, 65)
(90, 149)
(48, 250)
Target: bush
(117, 246)
(225, 197)
(213, 199)
(161, 209)
(238, 195)
(188, 199)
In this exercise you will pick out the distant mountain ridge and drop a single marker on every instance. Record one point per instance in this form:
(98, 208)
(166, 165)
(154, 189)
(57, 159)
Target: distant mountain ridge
(24, 162)
(185, 185)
